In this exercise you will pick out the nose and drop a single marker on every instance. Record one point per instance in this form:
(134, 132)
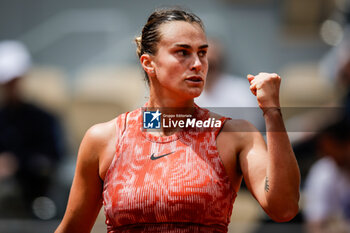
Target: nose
(196, 64)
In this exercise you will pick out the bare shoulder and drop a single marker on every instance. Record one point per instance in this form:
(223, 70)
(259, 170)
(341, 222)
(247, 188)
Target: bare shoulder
(101, 133)
(239, 126)
(236, 127)
(98, 146)
(240, 131)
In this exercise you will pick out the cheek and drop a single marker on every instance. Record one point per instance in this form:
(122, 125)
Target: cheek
(206, 67)
(171, 67)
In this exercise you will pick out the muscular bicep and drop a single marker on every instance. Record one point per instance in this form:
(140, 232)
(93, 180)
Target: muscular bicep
(85, 198)
(253, 162)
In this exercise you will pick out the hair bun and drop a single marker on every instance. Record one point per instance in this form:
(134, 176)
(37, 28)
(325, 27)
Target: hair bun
(138, 42)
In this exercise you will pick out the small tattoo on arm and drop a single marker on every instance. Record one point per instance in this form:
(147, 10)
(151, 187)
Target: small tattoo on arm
(267, 186)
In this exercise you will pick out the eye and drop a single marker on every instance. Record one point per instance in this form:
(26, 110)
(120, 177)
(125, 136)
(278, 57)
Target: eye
(202, 53)
(182, 52)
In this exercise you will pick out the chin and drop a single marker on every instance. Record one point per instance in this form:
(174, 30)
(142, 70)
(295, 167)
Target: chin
(194, 93)
(197, 94)
(190, 92)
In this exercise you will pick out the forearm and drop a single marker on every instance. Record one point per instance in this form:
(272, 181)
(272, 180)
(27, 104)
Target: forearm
(281, 184)
(277, 188)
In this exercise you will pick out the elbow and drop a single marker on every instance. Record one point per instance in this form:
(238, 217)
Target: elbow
(284, 209)
(286, 214)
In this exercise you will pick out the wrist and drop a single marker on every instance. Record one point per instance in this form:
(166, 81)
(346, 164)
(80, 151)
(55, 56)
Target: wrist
(271, 110)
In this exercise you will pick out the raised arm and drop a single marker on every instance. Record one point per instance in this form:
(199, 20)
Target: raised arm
(85, 198)
(271, 172)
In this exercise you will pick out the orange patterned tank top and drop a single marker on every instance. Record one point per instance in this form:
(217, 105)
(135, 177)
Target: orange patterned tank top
(173, 183)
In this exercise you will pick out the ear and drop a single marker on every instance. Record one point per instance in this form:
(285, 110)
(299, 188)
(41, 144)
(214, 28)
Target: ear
(147, 64)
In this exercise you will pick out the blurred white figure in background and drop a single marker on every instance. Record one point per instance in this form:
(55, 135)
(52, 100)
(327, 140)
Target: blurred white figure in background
(327, 188)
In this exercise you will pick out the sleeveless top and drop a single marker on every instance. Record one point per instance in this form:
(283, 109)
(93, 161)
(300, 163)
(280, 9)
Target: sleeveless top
(185, 189)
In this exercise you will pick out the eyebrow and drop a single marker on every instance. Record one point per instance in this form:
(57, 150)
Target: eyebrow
(186, 46)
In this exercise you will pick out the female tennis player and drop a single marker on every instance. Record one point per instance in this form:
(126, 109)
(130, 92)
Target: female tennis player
(178, 180)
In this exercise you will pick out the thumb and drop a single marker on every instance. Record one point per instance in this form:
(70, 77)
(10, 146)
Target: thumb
(250, 77)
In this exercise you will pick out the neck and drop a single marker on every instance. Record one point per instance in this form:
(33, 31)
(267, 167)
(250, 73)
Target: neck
(170, 103)
(171, 107)
(164, 99)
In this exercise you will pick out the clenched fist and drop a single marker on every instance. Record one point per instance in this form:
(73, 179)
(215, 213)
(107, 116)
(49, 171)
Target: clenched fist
(265, 86)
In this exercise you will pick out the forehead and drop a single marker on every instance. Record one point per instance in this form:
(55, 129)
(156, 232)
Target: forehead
(180, 32)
